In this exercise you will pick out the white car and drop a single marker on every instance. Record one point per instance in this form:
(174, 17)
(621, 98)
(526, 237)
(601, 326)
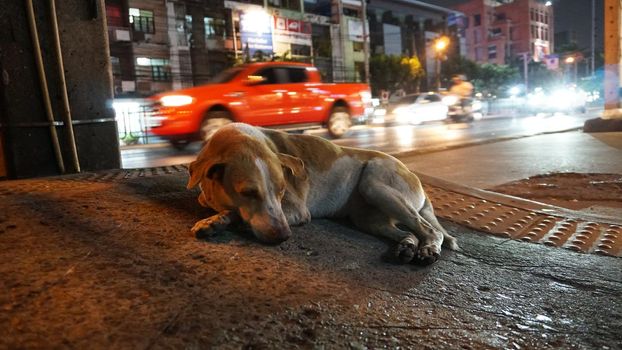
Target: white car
(417, 108)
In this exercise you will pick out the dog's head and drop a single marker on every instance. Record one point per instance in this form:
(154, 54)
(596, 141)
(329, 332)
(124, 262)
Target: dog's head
(250, 179)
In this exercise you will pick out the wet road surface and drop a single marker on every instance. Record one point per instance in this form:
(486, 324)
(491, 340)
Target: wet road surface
(389, 139)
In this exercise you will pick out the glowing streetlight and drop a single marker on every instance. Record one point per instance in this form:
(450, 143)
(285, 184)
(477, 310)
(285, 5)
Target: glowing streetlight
(548, 3)
(440, 45)
(569, 60)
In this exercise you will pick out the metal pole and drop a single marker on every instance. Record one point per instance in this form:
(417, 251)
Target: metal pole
(71, 139)
(44, 85)
(612, 59)
(438, 73)
(526, 70)
(365, 39)
(593, 34)
(235, 39)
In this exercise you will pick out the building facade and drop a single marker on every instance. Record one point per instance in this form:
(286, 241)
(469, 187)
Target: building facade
(500, 31)
(408, 27)
(160, 45)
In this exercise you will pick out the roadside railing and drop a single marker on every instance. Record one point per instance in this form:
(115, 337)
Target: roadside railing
(132, 116)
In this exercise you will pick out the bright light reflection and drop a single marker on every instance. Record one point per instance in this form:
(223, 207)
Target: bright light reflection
(404, 135)
(540, 122)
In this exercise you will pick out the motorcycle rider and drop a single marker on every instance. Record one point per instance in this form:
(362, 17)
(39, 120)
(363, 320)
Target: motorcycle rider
(462, 89)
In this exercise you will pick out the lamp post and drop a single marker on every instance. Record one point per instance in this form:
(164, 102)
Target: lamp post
(440, 45)
(570, 60)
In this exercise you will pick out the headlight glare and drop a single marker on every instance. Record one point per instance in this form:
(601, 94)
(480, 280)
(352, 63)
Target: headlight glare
(176, 100)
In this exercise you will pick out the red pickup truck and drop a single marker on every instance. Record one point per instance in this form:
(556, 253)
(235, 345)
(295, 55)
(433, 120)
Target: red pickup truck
(283, 95)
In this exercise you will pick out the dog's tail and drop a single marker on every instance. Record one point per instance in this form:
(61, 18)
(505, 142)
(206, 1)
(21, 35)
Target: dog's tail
(450, 241)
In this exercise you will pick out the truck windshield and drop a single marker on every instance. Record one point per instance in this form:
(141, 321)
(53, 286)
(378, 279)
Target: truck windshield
(226, 76)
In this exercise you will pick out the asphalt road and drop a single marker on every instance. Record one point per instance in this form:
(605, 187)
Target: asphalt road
(391, 139)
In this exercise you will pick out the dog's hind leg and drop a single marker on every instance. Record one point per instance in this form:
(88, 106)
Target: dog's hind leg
(427, 212)
(383, 188)
(214, 224)
(375, 222)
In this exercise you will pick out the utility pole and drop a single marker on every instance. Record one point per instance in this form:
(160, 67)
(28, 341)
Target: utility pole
(365, 39)
(525, 57)
(612, 59)
(611, 119)
(593, 34)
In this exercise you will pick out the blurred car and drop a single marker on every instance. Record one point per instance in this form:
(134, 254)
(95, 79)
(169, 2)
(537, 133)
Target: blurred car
(561, 99)
(414, 109)
(283, 95)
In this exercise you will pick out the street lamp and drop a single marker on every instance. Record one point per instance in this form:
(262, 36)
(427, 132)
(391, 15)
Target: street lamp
(440, 45)
(571, 60)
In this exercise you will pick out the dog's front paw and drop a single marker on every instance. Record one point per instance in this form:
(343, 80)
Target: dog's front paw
(428, 254)
(406, 249)
(212, 225)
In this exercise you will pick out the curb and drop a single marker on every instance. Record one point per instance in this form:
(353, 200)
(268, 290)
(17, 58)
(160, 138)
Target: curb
(478, 142)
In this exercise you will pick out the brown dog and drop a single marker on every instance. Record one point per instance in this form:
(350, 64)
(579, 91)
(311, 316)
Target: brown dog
(271, 180)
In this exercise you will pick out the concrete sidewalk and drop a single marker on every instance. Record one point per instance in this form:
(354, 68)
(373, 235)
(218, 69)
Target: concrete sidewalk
(107, 261)
(490, 164)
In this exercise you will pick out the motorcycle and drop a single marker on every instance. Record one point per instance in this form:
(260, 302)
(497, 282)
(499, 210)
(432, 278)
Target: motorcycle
(460, 110)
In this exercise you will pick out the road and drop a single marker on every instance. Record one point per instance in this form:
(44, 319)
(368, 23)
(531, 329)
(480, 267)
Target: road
(391, 139)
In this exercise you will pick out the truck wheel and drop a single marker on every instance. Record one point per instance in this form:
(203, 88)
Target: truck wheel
(212, 122)
(179, 145)
(339, 122)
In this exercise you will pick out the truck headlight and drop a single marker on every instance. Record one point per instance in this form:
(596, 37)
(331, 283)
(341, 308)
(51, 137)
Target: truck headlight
(365, 96)
(176, 100)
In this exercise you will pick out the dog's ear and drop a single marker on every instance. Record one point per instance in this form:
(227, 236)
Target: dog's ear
(196, 174)
(216, 172)
(295, 164)
(198, 170)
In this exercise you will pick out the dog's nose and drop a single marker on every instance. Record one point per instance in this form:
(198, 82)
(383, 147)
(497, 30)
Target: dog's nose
(278, 235)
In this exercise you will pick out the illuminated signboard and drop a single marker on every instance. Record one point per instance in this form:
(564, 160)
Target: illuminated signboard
(256, 32)
(287, 30)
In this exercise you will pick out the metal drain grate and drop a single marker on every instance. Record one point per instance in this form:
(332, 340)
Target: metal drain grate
(527, 225)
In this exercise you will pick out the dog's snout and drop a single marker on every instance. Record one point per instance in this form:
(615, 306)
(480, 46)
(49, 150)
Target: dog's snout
(278, 235)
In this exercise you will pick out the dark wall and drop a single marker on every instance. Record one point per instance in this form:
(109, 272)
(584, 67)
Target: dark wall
(28, 150)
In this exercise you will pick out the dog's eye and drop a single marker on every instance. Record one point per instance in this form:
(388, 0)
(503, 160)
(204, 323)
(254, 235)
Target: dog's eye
(250, 193)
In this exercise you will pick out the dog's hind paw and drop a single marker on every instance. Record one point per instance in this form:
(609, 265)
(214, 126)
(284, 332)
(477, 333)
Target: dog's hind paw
(406, 249)
(428, 254)
(212, 225)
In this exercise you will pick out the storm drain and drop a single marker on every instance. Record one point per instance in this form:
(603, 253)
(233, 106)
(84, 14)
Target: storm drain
(546, 225)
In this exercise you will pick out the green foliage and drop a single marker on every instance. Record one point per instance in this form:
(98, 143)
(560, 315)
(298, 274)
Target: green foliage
(458, 65)
(540, 76)
(487, 78)
(286, 57)
(392, 72)
(495, 78)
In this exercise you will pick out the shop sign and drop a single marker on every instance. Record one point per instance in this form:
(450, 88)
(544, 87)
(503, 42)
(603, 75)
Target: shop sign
(293, 31)
(316, 19)
(256, 32)
(355, 29)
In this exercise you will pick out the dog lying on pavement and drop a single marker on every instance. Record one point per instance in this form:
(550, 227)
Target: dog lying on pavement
(272, 180)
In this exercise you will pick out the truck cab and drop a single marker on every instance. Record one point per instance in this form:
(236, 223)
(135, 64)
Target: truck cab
(284, 95)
